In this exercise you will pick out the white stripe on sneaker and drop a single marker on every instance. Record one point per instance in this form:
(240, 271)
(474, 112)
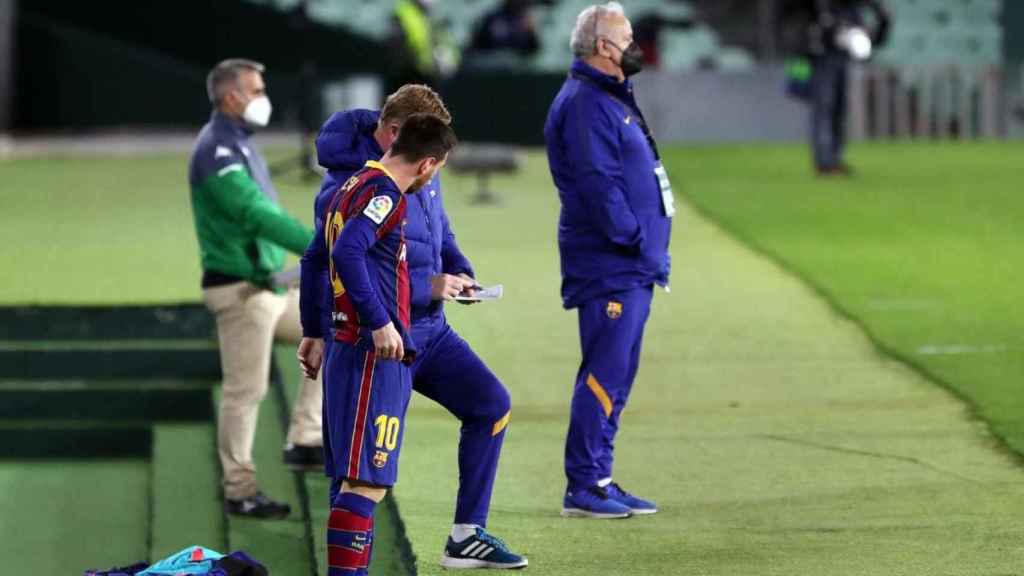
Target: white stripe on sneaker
(486, 553)
(467, 551)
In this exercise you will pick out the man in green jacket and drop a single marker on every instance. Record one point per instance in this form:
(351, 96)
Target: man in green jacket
(243, 235)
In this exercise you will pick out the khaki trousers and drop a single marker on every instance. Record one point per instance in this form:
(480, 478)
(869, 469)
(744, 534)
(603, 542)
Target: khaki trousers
(249, 320)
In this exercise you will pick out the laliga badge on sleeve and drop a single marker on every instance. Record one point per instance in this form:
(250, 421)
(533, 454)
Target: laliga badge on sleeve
(668, 201)
(378, 208)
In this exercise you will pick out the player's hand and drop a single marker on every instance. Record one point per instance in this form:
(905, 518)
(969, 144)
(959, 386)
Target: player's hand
(468, 289)
(447, 287)
(311, 356)
(387, 343)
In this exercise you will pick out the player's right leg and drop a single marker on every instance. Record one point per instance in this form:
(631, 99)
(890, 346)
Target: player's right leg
(365, 402)
(245, 317)
(451, 374)
(303, 448)
(350, 527)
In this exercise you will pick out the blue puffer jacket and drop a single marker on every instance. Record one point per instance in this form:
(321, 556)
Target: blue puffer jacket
(343, 146)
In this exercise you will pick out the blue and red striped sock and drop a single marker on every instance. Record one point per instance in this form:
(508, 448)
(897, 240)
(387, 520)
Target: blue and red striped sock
(349, 535)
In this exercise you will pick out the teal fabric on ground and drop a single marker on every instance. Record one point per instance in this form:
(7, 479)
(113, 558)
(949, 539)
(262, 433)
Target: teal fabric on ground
(185, 562)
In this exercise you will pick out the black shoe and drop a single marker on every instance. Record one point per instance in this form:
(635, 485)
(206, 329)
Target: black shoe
(302, 458)
(838, 171)
(258, 506)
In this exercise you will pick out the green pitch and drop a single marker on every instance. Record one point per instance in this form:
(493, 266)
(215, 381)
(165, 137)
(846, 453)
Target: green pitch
(921, 249)
(775, 436)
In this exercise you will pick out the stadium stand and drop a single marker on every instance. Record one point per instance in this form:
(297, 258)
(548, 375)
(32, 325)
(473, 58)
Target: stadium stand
(682, 49)
(926, 32)
(931, 32)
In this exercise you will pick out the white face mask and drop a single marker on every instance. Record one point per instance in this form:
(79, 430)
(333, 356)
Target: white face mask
(257, 111)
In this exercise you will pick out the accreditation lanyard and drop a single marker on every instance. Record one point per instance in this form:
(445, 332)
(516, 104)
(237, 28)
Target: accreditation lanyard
(667, 199)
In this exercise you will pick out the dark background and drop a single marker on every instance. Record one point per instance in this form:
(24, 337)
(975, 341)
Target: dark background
(82, 66)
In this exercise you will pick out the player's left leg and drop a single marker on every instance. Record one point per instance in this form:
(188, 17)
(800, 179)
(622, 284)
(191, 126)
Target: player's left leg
(304, 444)
(606, 456)
(839, 120)
(823, 106)
(350, 528)
(451, 374)
(604, 461)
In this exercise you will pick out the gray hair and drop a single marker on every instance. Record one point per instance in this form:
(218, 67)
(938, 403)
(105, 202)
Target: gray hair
(225, 75)
(589, 26)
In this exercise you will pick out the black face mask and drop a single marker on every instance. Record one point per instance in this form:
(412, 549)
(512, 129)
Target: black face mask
(632, 60)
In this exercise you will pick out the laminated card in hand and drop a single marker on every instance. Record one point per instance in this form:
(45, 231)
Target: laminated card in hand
(483, 294)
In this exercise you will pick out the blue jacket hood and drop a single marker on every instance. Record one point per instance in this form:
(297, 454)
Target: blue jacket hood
(346, 140)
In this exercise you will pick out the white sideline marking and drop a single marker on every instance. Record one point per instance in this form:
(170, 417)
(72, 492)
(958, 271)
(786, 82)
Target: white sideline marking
(901, 305)
(958, 349)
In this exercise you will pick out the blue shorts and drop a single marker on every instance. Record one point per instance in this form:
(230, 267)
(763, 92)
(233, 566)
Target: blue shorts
(365, 401)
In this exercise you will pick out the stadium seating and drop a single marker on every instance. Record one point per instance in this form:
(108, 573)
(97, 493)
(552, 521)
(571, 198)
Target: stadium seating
(681, 49)
(942, 32)
(924, 33)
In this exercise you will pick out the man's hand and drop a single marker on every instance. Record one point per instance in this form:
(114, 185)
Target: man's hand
(387, 343)
(447, 287)
(468, 289)
(311, 356)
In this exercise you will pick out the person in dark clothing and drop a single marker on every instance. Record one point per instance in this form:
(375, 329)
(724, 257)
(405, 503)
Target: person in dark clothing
(412, 43)
(509, 28)
(613, 238)
(647, 33)
(830, 58)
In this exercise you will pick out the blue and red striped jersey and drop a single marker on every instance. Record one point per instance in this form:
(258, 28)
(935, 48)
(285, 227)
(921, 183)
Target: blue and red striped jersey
(363, 243)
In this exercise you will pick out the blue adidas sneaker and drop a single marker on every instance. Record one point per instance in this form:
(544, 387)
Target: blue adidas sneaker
(594, 502)
(635, 505)
(482, 550)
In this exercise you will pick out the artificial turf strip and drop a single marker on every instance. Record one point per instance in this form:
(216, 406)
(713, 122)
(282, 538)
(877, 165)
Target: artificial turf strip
(22, 440)
(186, 503)
(773, 436)
(63, 517)
(922, 248)
(57, 364)
(392, 554)
(280, 545)
(129, 401)
(92, 324)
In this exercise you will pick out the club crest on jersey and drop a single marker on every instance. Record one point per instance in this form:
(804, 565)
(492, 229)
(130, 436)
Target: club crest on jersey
(380, 459)
(379, 208)
(614, 309)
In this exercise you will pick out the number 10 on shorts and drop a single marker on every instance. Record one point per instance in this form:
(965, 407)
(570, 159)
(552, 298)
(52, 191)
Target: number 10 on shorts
(387, 431)
(387, 438)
